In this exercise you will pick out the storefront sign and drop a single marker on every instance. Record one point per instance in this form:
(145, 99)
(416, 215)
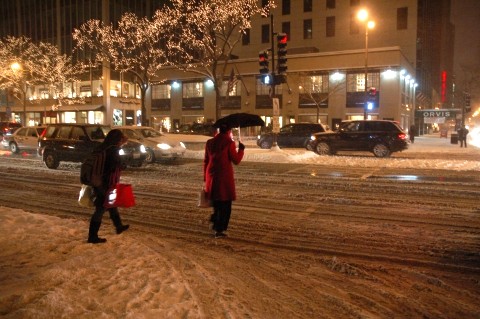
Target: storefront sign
(437, 113)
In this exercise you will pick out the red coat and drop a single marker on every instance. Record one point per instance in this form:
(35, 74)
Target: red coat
(220, 153)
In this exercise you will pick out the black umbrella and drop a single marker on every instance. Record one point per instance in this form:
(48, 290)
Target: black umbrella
(240, 120)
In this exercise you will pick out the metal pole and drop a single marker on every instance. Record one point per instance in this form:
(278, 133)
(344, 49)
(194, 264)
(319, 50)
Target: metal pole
(365, 115)
(25, 105)
(272, 47)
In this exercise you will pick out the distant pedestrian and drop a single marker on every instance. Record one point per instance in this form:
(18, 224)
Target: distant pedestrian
(111, 176)
(220, 153)
(412, 132)
(462, 135)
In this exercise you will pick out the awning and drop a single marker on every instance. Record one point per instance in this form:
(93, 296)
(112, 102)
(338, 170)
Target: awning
(61, 108)
(78, 107)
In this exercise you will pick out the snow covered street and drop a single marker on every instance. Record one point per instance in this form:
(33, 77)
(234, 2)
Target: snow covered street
(347, 236)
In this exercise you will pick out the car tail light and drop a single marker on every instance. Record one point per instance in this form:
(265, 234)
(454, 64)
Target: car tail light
(402, 136)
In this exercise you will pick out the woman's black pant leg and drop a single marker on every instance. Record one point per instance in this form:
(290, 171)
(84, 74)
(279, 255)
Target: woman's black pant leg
(221, 215)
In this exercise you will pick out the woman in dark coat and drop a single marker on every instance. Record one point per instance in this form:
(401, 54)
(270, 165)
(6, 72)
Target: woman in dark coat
(220, 153)
(111, 176)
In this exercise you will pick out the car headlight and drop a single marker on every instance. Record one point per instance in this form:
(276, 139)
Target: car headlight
(258, 137)
(182, 145)
(121, 152)
(143, 149)
(313, 138)
(164, 146)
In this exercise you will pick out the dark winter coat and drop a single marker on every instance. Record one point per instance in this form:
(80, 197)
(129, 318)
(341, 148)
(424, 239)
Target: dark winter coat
(220, 153)
(462, 133)
(111, 170)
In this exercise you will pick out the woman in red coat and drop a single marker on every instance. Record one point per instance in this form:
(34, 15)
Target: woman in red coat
(220, 153)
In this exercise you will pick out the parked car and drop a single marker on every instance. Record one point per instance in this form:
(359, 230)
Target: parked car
(291, 135)
(7, 128)
(158, 145)
(381, 137)
(183, 129)
(23, 139)
(202, 129)
(74, 142)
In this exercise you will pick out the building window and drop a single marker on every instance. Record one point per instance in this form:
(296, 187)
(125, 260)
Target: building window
(354, 3)
(330, 4)
(402, 18)
(246, 37)
(192, 89)
(354, 24)
(356, 81)
(231, 87)
(43, 94)
(307, 29)
(330, 27)
(307, 5)
(285, 7)
(265, 33)
(161, 91)
(264, 89)
(286, 29)
(314, 84)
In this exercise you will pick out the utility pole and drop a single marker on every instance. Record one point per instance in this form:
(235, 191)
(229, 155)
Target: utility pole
(273, 77)
(275, 102)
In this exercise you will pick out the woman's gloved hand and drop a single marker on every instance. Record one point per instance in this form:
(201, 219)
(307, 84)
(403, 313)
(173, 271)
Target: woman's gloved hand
(241, 147)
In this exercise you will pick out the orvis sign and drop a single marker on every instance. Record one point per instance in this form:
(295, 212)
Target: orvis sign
(436, 113)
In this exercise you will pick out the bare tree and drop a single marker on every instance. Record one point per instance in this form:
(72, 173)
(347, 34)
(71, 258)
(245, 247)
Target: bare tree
(15, 77)
(315, 89)
(25, 64)
(204, 34)
(134, 47)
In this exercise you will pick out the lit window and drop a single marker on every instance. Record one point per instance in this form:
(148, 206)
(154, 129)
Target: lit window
(192, 89)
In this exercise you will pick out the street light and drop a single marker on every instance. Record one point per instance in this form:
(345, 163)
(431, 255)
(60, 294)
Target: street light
(15, 66)
(362, 15)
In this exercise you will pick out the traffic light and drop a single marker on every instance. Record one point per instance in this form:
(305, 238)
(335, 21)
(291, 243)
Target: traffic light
(467, 103)
(263, 62)
(282, 53)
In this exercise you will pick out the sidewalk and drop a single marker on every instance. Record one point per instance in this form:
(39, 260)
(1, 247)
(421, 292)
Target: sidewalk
(435, 143)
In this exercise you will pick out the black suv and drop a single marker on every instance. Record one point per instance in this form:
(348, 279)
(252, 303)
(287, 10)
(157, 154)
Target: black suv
(291, 135)
(381, 137)
(7, 128)
(74, 142)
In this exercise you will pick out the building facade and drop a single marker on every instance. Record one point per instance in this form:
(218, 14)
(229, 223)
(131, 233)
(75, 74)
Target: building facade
(335, 67)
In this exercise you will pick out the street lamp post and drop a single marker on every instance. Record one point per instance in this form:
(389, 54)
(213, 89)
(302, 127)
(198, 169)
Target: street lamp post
(16, 68)
(362, 15)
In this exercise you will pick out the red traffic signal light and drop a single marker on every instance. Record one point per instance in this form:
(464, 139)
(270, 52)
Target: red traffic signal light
(282, 38)
(282, 53)
(263, 62)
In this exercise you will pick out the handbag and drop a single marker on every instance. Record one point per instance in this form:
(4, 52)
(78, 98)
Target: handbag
(120, 196)
(203, 202)
(86, 196)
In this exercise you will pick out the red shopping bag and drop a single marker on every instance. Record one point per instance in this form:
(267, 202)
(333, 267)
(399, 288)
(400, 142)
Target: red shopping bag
(120, 196)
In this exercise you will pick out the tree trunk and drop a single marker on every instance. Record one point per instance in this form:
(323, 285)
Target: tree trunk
(218, 104)
(143, 93)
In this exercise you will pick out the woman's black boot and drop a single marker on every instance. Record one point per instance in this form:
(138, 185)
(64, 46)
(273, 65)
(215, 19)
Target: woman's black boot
(93, 233)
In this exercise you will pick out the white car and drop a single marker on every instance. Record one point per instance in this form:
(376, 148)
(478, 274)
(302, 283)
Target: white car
(158, 145)
(23, 139)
